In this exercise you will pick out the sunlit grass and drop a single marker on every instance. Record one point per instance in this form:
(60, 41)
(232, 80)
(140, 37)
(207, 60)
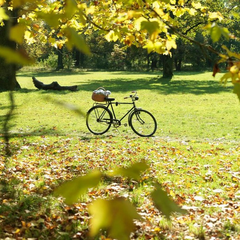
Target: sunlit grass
(191, 106)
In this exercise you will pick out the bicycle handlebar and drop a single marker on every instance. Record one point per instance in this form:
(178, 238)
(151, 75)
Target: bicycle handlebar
(133, 97)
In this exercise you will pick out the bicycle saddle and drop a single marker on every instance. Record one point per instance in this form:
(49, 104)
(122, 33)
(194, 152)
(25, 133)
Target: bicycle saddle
(109, 99)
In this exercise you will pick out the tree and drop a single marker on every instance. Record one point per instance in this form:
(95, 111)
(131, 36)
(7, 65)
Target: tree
(8, 70)
(153, 25)
(24, 19)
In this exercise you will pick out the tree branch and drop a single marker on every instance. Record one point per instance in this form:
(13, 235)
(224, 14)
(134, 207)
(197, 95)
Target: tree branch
(194, 26)
(177, 32)
(95, 24)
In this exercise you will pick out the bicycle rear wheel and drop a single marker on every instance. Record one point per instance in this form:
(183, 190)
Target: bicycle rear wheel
(99, 120)
(143, 123)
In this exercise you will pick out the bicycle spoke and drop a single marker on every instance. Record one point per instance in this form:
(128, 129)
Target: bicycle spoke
(99, 120)
(143, 123)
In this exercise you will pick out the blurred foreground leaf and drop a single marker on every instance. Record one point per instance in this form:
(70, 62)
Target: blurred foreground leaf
(116, 216)
(76, 40)
(17, 57)
(236, 89)
(134, 171)
(17, 33)
(72, 190)
(164, 204)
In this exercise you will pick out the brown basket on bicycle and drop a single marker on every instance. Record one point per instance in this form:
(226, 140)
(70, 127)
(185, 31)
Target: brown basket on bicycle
(100, 94)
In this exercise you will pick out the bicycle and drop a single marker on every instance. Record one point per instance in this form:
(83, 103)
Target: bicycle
(101, 116)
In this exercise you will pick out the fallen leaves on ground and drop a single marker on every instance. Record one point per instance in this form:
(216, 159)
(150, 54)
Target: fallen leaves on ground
(201, 177)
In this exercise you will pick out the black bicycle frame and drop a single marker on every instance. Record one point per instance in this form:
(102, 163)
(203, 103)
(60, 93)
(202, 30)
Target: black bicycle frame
(118, 103)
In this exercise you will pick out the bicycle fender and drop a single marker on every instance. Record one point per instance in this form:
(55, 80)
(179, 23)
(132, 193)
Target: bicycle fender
(130, 114)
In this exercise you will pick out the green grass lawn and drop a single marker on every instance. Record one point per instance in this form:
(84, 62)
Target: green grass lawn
(191, 106)
(194, 155)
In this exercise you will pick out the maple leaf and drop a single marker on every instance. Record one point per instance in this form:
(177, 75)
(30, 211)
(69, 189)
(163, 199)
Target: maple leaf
(115, 215)
(72, 190)
(164, 204)
(134, 171)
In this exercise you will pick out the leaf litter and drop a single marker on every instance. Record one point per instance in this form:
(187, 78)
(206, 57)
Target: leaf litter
(202, 178)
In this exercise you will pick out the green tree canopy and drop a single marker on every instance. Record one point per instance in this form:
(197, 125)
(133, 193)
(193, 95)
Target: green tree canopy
(154, 25)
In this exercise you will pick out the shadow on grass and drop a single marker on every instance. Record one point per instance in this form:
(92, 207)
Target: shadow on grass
(153, 82)
(56, 92)
(161, 87)
(40, 73)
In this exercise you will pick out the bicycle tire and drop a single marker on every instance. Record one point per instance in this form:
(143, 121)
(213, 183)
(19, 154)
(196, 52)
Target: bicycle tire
(143, 123)
(99, 120)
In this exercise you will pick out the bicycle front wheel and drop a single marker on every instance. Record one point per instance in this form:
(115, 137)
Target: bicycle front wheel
(99, 120)
(143, 123)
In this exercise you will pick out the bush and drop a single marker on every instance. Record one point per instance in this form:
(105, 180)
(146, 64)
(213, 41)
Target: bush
(68, 60)
(51, 61)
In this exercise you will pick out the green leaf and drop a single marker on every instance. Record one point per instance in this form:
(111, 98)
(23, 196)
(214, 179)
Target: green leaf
(17, 33)
(115, 215)
(18, 3)
(225, 33)
(3, 15)
(151, 27)
(215, 33)
(164, 204)
(72, 190)
(236, 89)
(51, 19)
(134, 171)
(75, 39)
(15, 56)
(70, 8)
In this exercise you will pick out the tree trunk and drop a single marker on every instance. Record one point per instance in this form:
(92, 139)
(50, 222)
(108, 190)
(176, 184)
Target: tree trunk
(60, 59)
(79, 58)
(167, 66)
(8, 81)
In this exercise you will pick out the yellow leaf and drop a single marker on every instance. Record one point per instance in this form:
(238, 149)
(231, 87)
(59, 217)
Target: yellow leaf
(134, 14)
(134, 171)
(17, 33)
(191, 11)
(51, 40)
(171, 44)
(3, 15)
(151, 26)
(236, 90)
(72, 190)
(180, 12)
(28, 36)
(111, 36)
(17, 57)
(159, 47)
(215, 15)
(197, 5)
(51, 19)
(19, 3)
(17, 231)
(115, 215)
(138, 23)
(149, 46)
(234, 69)
(225, 77)
(70, 8)
(75, 39)
(164, 204)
